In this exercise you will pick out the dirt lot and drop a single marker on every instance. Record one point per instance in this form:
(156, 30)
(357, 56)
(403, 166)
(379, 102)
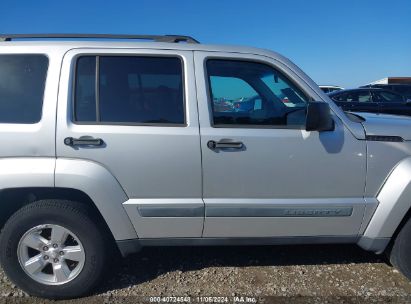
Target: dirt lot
(274, 274)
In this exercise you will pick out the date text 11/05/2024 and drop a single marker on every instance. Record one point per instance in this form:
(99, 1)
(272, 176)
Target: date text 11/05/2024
(203, 299)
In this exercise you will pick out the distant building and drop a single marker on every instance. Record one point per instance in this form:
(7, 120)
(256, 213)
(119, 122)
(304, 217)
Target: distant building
(388, 80)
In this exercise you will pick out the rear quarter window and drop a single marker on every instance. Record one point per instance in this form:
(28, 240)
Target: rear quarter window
(22, 82)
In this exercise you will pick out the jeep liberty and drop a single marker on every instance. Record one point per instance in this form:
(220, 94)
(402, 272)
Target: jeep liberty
(112, 143)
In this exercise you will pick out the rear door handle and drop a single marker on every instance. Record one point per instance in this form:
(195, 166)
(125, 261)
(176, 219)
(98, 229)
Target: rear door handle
(225, 144)
(83, 141)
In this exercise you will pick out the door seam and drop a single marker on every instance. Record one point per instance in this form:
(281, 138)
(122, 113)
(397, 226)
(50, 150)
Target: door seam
(200, 139)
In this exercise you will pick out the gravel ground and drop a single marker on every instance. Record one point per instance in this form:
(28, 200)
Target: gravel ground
(269, 274)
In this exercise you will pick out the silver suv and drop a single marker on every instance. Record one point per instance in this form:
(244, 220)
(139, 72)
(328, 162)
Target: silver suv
(111, 145)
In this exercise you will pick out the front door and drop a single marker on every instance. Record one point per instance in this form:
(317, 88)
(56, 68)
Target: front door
(134, 112)
(263, 174)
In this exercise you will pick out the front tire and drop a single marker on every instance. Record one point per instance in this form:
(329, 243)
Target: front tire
(400, 254)
(53, 249)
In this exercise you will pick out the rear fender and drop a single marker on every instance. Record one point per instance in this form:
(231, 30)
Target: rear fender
(22, 172)
(103, 189)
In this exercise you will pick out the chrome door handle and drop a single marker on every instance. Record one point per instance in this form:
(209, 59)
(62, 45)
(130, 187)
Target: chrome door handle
(83, 141)
(225, 144)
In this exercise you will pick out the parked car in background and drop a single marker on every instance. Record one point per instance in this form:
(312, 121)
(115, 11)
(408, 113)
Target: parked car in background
(372, 100)
(403, 89)
(330, 88)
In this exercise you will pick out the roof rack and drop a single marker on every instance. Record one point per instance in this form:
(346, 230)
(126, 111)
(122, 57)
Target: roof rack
(155, 38)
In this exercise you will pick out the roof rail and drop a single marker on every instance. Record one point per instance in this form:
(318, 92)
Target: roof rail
(155, 38)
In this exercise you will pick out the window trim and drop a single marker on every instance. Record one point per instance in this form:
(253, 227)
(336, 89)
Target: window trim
(46, 76)
(251, 126)
(133, 124)
(97, 88)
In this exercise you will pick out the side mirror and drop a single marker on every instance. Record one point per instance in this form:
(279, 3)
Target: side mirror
(408, 102)
(319, 117)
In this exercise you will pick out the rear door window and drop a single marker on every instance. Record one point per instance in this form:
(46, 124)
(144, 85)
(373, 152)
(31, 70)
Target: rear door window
(363, 96)
(85, 95)
(387, 96)
(404, 90)
(22, 83)
(129, 90)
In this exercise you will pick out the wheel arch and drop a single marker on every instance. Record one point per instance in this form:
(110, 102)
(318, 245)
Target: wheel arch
(393, 209)
(13, 199)
(103, 189)
(24, 180)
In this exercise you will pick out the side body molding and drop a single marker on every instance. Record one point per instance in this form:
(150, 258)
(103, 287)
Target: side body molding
(394, 202)
(102, 187)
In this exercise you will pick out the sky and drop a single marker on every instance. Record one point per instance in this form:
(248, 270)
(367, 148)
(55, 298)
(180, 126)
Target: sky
(347, 43)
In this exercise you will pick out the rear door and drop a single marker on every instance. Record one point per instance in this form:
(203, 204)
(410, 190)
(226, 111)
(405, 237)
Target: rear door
(134, 112)
(263, 174)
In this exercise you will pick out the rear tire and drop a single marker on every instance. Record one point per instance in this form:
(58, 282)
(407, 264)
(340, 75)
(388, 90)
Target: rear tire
(400, 254)
(76, 252)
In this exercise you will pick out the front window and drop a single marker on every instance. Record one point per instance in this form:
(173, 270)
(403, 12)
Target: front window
(251, 93)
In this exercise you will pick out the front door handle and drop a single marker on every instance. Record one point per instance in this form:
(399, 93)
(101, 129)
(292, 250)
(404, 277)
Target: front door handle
(83, 141)
(225, 144)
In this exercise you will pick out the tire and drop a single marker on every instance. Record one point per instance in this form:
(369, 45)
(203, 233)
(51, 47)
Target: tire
(53, 282)
(400, 254)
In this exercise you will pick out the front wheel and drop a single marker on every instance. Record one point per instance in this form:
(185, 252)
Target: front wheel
(400, 254)
(53, 249)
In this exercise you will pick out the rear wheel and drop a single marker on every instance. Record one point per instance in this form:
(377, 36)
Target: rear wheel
(400, 254)
(53, 249)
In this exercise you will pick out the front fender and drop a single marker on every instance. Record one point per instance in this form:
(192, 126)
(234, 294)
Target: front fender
(394, 202)
(103, 189)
